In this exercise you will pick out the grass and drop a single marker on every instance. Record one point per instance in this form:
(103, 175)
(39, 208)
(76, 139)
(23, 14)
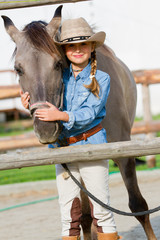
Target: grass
(46, 172)
(13, 128)
(30, 174)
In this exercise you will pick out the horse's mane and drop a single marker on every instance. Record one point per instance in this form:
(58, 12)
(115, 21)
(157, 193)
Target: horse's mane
(37, 34)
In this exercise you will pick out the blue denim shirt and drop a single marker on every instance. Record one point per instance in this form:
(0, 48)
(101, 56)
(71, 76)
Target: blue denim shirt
(85, 110)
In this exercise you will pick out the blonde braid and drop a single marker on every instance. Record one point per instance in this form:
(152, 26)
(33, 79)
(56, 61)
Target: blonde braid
(94, 85)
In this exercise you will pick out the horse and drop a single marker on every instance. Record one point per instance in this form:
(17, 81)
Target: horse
(39, 63)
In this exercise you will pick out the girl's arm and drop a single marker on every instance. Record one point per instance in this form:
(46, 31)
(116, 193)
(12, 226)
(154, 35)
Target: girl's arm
(84, 115)
(51, 114)
(48, 114)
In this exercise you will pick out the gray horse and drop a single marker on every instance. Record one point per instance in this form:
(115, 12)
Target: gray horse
(39, 63)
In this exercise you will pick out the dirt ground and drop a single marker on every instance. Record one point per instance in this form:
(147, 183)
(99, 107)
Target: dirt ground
(41, 221)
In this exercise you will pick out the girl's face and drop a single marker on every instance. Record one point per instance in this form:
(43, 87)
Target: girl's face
(79, 53)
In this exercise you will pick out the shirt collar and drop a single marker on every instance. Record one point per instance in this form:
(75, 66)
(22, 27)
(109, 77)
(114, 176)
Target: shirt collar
(84, 74)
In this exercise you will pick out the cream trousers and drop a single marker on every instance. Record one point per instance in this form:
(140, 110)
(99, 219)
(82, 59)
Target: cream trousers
(95, 177)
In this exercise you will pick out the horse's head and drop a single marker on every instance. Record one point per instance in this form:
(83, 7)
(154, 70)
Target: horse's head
(38, 63)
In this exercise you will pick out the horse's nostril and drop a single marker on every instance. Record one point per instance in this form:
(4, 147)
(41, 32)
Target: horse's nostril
(32, 111)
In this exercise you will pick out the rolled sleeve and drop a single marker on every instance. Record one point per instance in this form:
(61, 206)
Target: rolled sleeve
(68, 125)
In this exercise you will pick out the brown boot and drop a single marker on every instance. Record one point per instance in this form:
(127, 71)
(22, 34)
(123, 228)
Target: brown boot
(71, 238)
(108, 236)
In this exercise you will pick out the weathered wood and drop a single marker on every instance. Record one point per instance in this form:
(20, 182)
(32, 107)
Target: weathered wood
(147, 76)
(79, 153)
(21, 141)
(9, 4)
(30, 140)
(142, 127)
(147, 115)
(10, 91)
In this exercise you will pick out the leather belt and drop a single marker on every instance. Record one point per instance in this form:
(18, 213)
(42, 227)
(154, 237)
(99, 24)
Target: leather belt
(85, 135)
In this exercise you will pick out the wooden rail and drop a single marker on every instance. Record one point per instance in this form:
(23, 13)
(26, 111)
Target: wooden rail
(145, 127)
(79, 153)
(21, 141)
(30, 140)
(10, 4)
(10, 91)
(147, 76)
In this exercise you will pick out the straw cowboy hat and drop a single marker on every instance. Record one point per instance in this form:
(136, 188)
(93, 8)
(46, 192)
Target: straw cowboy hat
(78, 30)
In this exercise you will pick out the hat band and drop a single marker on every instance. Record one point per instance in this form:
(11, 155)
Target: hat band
(75, 39)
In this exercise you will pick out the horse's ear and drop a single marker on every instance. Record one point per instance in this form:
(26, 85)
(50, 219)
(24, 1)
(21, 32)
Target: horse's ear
(10, 28)
(54, 24)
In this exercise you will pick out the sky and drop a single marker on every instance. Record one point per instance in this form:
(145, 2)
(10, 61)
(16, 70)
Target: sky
(132, 31)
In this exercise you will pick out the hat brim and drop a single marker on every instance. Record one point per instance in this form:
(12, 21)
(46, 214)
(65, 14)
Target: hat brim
(98, 38)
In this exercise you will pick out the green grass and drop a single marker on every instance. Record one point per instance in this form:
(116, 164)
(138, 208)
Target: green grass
(13, 128)
(46, 172)
(30, 174)
(14, 132)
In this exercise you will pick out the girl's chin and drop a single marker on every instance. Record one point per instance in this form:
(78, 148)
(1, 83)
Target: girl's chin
(80, 62)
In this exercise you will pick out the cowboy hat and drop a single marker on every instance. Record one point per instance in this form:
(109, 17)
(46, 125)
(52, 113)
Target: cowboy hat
(78, 30)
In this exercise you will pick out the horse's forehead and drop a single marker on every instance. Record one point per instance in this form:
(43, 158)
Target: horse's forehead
(27, 53)
(23, 48)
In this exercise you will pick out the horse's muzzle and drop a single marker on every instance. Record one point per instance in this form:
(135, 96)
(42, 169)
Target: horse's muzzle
(46, 131)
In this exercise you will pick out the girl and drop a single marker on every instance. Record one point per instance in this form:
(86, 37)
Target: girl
(85, 97)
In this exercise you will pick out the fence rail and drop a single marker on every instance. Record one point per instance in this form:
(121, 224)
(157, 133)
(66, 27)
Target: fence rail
(145, 127)
(21, 141)
(9, 91)
(10, 4)
(79, 153)
(147, 76)
(144, 77)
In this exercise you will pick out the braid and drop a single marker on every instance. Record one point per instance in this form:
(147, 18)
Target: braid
(94, 85)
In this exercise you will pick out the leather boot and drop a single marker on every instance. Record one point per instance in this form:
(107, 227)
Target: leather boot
(71, 238)
(108, 236)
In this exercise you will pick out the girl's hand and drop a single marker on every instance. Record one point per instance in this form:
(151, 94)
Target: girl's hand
(25, 97)
(51, 114)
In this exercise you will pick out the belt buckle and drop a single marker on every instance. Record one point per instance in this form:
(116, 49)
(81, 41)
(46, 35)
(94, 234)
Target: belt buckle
(85, 136)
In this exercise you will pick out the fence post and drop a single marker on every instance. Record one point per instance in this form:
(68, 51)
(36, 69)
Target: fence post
(151, 162)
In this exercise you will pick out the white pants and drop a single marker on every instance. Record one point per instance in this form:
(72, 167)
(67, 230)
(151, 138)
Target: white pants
(95, 177)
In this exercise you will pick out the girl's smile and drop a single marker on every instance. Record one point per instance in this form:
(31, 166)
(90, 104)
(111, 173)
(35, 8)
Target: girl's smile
(79, 53)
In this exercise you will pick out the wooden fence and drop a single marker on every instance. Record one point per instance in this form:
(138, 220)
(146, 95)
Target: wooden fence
(147, 126)
(150, 127)
(144, 77)
(78, 153)
(87, 152)
(10, 4)
(9, 91)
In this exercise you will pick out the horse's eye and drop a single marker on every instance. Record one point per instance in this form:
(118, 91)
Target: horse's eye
(19, 70)
(58, 65)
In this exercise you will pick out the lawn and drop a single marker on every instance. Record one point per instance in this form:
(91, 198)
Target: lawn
(46, 172)
(29, 174)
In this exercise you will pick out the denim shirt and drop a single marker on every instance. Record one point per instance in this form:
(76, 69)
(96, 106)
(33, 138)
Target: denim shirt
(85, 110)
